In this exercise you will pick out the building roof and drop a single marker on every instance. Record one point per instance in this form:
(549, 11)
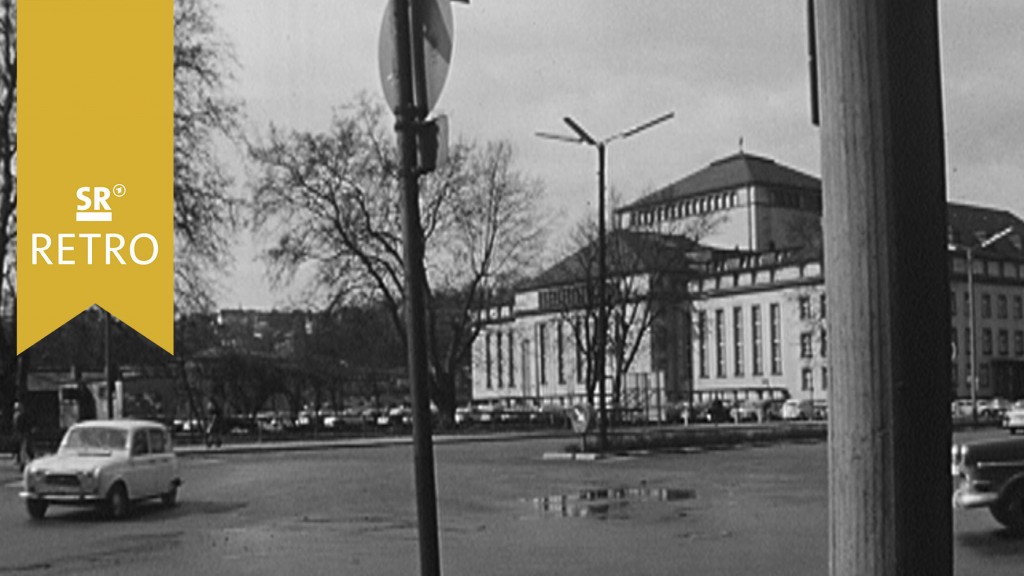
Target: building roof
(970, 225)
(728, 173)
(627, 252)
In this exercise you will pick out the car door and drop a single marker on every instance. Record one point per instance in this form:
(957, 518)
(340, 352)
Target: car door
(140, 466)
(162, 470)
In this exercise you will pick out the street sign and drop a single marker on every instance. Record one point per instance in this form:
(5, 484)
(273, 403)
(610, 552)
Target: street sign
(581, 416)
(438, 42)
(434, 144)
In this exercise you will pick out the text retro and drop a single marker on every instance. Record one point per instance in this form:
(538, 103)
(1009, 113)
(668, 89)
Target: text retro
(142, 249)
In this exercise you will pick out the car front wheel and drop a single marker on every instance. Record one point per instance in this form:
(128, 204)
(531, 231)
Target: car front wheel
(1009, 510)
(117, 501)
(36, 508)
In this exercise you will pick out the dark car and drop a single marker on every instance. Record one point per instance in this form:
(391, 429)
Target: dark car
(716, 411)
(990, 473)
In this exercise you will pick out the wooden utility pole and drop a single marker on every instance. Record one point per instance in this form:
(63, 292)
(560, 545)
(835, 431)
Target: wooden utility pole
(888, 287)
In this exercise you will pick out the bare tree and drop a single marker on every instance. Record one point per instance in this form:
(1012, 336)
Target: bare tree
(647, 274)
(204, 117)
(8, 199)
(330, 202)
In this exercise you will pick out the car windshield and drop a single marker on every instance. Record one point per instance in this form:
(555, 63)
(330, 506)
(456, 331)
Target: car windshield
(103, 439)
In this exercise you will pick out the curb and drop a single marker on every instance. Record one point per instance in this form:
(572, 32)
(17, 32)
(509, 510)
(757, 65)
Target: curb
(374, 442)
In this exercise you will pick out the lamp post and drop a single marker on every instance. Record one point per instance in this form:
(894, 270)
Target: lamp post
(972, 321)
(583, 137)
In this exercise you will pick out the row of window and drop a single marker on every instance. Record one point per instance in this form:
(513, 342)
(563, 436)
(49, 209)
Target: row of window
(1002, 307)
(499, 350)
(1003, 341)
(739, 341)
(688, 207)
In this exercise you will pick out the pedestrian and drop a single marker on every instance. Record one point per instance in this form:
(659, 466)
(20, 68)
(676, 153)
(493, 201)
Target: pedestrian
(214, 424)
(22, 425)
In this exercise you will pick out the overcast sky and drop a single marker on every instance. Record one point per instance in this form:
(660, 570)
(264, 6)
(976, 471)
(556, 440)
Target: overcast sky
(729, 69)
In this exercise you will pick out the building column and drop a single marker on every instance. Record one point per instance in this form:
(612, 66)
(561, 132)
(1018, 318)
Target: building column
(887, 280)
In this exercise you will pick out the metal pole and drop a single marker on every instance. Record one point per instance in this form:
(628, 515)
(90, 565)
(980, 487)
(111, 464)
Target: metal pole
(108, 365)
(972, 349)
(409, 33)
(602, 302)
(886, 272)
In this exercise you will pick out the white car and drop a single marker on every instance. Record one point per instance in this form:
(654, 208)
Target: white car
(1013, 419)
(106, 463)
(797, 409)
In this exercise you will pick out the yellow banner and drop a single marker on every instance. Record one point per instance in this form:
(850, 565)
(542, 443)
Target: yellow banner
(96, 164)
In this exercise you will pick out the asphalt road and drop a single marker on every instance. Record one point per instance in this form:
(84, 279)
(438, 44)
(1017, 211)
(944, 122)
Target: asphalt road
(503, 510)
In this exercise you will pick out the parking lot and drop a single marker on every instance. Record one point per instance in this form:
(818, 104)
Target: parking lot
(504, 509)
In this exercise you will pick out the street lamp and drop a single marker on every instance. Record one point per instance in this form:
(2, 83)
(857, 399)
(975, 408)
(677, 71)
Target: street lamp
(584, 137)
(971, 319)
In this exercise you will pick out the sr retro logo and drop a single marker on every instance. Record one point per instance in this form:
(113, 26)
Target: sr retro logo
(107, 248)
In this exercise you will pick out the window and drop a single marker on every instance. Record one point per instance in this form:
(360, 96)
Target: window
(983, 372)
(755, 342)
(157, 442)
(511, 366)
(140, 443)
(806, 345)
(1004, 343)
(824, 343)
(986, 306)
(720, 342)
(986, 342)
(1001, 306)
(822, 303)
(560, 336)
(487, 360)
(805, 307)
(1018, 343)
(824, 377)
(967, 303)
(702, 342)
(579, 353)
(498, 363)
(807, 379)
(776, 339)
(1018, 308)
(737, 339)
(542, 356)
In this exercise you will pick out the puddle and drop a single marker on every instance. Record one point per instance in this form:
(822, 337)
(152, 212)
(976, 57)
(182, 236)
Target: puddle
(605, 503)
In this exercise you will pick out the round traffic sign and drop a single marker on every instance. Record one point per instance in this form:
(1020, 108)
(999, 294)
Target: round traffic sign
(581, 416)
(438, 42)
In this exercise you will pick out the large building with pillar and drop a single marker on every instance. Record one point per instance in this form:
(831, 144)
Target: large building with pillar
(719, 282)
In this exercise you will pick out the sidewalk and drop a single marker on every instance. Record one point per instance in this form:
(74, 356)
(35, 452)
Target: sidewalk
(360, 442)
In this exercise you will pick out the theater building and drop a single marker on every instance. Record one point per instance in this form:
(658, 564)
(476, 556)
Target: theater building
(726, 266)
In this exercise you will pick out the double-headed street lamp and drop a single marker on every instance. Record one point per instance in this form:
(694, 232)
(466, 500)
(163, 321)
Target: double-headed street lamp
(583, 137)
(971, 318)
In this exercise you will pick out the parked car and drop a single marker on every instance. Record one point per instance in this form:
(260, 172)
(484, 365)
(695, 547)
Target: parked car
(961, 407)
(105, 463)
(993, 407)
(1013, 419)
(757, 410)
(798, 409)
(715, 411)
(990, 473)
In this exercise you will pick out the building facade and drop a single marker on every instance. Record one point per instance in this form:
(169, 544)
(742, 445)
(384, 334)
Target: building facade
(751, 309)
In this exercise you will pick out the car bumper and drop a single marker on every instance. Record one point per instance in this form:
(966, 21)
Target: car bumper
(62, 498)
(966, 497)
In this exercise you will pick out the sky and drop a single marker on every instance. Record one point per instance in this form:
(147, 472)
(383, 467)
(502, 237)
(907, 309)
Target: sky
(732, 71)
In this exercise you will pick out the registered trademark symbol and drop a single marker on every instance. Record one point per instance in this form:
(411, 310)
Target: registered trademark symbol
(120, 190)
